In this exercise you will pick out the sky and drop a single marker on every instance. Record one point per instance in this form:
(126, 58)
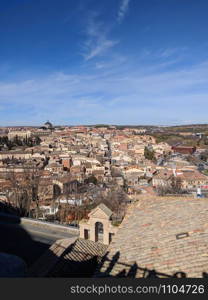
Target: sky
(136, 62)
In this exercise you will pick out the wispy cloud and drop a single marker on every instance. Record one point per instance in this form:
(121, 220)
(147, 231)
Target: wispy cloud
(164, 53)
(168, 52)
(97, 42)
(123, 8)
(112, 63)
(119, 97)
(100, 47)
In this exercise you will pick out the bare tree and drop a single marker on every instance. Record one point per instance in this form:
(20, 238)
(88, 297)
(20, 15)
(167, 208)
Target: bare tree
(116, 199)
(174, 187)
(24, 189)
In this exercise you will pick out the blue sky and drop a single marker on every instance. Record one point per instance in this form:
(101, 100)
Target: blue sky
(103, 61)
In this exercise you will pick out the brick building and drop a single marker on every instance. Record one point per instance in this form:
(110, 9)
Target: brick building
(184, 150)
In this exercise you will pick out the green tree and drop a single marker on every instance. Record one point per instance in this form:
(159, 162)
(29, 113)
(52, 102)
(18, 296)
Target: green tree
(91, 179)
(149, 154)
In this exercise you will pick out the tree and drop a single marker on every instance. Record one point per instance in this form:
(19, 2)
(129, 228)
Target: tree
(204, 156)
(91, 179)
(149, 154)
(37, 140)
(176, 185)
(24, 190)
(116, 199)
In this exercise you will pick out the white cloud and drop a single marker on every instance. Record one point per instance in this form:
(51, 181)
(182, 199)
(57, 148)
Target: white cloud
(99, 47)
(123, 10)
(165, 53)
(168, 52)
(113, 63)
(97, 42)
(132, 96)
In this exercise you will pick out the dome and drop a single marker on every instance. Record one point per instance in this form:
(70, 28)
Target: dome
(48, 125)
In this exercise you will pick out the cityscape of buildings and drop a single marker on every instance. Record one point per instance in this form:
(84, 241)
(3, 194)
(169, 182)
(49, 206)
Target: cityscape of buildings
(50, 168)
(89, 177)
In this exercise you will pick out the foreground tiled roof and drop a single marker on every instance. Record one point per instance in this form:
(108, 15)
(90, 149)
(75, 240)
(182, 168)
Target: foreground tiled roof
(49, 259)
(69, 258)
(160, 236)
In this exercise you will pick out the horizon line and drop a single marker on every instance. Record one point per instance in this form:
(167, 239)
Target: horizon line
(103, 124)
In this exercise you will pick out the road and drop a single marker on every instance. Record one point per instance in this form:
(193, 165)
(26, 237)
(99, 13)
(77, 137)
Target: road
(46, 236)
(27, 241)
